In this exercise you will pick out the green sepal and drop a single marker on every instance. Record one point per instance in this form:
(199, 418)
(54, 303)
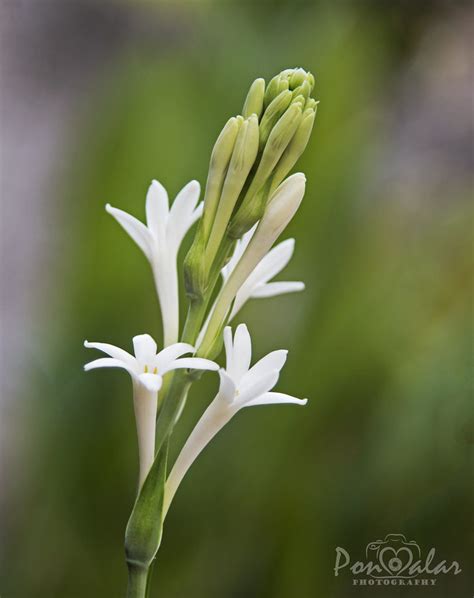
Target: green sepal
(145, 526)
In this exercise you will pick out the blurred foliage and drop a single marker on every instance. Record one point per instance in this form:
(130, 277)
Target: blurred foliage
(379, 342)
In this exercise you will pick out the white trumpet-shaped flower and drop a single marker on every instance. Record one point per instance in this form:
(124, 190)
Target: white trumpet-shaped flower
(147, 368)
(240, 386)
(281, 208)
(257, 284)
(160, 240)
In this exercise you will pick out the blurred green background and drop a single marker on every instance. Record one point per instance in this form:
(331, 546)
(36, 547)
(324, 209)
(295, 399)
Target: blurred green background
(102, 97)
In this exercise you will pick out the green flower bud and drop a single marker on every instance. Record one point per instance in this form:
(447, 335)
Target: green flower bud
(304, 90)
(254, 100)
(295, 148)
(300, 100)
(220, 158)
(251, 207)
(298, 77)
(243, 157)
(249, 213)
(272, 114)
(282, 207)
(279, 138)
(195, 275)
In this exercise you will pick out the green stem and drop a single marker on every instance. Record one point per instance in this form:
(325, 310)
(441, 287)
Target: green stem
(137, 581)
(194, 319)
(148, 581)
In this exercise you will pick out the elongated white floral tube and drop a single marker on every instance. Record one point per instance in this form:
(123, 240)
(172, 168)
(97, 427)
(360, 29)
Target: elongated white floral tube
(240, 386)
(145, 404)
(281, 209)
(214, 419)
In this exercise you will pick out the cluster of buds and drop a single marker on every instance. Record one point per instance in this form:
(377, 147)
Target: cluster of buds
(252, 156)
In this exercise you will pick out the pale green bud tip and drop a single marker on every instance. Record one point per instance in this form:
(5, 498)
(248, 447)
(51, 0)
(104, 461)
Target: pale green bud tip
(246, 146)
(227, 136)
(297, 80)
(254, 100)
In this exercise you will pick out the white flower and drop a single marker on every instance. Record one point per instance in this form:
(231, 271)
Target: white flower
(160, 241)
(147, 368)
(257, 284)
(282, 206)
(240, 386)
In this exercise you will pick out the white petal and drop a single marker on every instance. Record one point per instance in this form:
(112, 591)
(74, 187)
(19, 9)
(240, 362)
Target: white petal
(169, 354)
(242, 353)
(113, 351)
(273, 398)
(108, 362)
(271, 289)
(273, 361)
(152, 382)
(157, 209)
(240, 247)
(229, 348)
(269, 266)
(275, 260)
(192, 363)
(260, 387)
(227, 387)
(136, 229)
(145, 348)
(182, 210)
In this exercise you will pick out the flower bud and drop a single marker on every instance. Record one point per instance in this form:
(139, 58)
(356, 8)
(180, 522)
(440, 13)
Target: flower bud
(195, 275)
(220, 158)
(243, 157)
(280, 210)
(254, 100)
(278, 140)
(298, 77)
(295, 148)
(304, 89)
(272, 114)
(274, 88)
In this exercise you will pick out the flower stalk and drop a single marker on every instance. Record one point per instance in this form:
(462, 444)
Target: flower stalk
(248, 202)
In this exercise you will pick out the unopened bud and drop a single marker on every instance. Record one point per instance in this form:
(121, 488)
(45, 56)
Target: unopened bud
(304, 89)
(243, 157)
(295, 148)
(220, 158)
(195, 275)
(274, 88)
(254, 100)
(280, 210)
(248, 214)
(278, 140)
(298, 77)
(272, 114)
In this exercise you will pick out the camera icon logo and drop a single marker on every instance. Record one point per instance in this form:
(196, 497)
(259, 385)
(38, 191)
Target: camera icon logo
(394, 555)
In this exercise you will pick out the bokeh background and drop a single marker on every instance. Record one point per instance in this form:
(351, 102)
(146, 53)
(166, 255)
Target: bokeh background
(98, 98)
